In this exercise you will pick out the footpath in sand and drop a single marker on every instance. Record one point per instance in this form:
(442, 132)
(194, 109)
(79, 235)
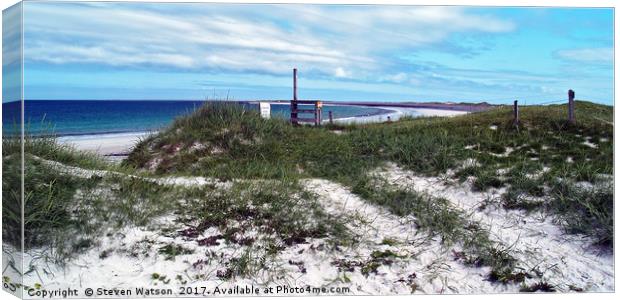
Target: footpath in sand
(424, 265)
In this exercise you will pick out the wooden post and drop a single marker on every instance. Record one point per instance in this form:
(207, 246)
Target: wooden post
(294, 101)
(515, 109)
(316, 115)
(295, 84)
(317, 112)
(571, 107)
(331, 117)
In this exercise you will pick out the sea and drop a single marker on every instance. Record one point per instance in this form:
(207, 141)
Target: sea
(91, 117)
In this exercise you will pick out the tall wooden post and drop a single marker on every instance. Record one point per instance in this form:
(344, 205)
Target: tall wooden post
(515, 109)
(571, 106)
(331, 117)
(294, 101)
(295, 84)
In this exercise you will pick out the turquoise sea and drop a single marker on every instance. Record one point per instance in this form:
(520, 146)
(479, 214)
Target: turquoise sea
(87, 117)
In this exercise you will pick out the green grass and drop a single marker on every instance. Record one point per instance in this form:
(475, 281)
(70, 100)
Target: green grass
(46, 195)
(47, 147)
(438, 217)
(47, 202)
(236, 143)
(278, 208)
(239, 143)
(170, 251)
(68, 214)
(585, 210)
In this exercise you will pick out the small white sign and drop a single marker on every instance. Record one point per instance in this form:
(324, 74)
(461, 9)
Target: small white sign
(265, 110)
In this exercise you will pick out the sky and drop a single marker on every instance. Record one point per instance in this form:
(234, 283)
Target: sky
(179, 51)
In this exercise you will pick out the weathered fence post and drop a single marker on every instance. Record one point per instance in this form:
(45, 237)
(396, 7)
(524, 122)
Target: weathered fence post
(297, 107)
(515, 110)
(571, 106)
(294, 101)
(318, 105)
(295, 84)
(331, 117)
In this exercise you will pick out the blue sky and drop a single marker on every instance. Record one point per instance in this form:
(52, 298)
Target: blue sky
(379, 53)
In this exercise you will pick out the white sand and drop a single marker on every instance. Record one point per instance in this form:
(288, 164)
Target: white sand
(400, 112)
(432, 112)
(105, 144)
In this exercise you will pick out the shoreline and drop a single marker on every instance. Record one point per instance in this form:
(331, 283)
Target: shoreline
(465, 107)
(116, 146)
(396, 113)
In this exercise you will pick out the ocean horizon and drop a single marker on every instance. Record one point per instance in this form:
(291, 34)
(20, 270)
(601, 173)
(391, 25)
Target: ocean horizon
(93, 117)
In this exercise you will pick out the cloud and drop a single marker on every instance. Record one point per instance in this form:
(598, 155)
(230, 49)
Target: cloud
(341, 73)
(327, 41)
(11, 54)
(596, 55)
(11, 36)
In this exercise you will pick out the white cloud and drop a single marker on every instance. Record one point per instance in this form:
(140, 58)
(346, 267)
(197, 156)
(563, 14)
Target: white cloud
(604, 55)
(341, 73)
(329, 40)
(11, 36)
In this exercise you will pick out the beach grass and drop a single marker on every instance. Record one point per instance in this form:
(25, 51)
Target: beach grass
(47, 147)
(438, 217)
(67, 213)
(45, 194)
(226, 141)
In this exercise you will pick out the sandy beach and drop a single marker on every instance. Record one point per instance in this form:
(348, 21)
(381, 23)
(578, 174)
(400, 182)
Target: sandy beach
(400, 112)
(113, 144)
